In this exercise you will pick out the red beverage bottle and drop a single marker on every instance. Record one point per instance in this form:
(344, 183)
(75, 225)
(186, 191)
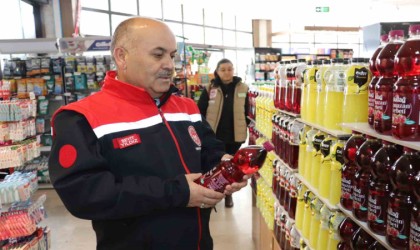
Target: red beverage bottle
(343, 246)
(283, 85)
(290, 79)
(247, 160)
(282, 184)
(376, 246)
(380, 186)
(401, 200)
(415, 217)
(375, 78)
(361, 179)
(275, 175)
(383, 89)
(294, 140)
(274, 131)
(286, 197)
(346, 230)
(283, 221)
(361, 240)
(293, 193)
(349, 168)
(288, 146)
(277, 86)
(406, 91)
(297, 85)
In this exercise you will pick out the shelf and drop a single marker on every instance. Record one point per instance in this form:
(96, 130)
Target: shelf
(315, 192)
(288, 113)
(379, 238)
(45, 148)
(364, 128)
(335, 133)
(42, 186)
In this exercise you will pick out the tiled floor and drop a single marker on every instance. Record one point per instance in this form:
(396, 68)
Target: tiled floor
(231, 227)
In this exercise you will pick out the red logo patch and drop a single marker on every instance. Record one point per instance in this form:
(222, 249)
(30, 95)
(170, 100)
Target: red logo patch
(67, 155)
(126, 141)
(194, 135)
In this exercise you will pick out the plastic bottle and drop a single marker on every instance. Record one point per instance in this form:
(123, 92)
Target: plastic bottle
(293, 195)
(300, 207)
(374, 80)
(383, 89)
(316, 159)
(247, 160)
(307, 214)
(380, 186)
(294, 141)
(334, 222)
(321, 75)
(308, 155)
(290, 79)
(325, 214)
(346, 230)
(302, 149)
(337, 161)
(303, 106)
(334, 89)
(316, 206)
(283, 85)
(406, 103)
(355, 105)
(361, 179)
(311, 93)
(361, 240)
(415, 217)
(349, 168)
(297, 85)
(401, 198)
(325, 167)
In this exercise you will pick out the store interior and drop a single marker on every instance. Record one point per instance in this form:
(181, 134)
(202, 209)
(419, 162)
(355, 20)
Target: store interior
(330, 91)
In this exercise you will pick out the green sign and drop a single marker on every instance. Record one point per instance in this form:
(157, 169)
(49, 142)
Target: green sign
(322, 9)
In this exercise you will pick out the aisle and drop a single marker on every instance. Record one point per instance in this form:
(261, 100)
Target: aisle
(231, 228)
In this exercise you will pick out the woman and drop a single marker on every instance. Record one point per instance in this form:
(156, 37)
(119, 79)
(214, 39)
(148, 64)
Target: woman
(225, 105)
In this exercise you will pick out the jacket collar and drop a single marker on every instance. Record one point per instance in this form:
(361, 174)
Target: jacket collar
(130, 92)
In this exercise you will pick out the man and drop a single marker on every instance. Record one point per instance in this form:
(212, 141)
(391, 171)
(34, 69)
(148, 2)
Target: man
(126, 157)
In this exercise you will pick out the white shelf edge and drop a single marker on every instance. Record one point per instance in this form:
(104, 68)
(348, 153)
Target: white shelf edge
(381, 239)
(288, 113)
(315, 192)
(45, 186)
(364, 128)
(45, 148)
(335, 133)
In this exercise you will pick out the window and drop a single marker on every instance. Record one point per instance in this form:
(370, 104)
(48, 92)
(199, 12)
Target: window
(193, 14)
(213, 36)
(194, 34)
(149, 8)
(176, 29)
(229, 38)
(95, 4)
(243, 23)
(212, 18)
(89, 27)
(228, 21)
(116, 20)
(126, 6)
(172, 10)
(244, 40)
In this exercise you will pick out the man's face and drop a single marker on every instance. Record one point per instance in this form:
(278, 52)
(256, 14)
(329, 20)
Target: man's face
(225, 72)
(150, 62)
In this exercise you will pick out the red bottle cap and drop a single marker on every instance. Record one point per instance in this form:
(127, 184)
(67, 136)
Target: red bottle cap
(396, 33)
(384, 38)
(414, 28)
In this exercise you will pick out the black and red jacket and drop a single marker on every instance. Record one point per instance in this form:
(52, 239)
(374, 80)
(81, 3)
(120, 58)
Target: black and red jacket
(120, 160)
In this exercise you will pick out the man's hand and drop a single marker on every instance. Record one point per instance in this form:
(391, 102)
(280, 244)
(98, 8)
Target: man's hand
(236, 186)
(200, 196)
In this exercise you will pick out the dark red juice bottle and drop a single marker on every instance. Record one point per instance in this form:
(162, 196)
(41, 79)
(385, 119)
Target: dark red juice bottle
(349, 168)
(415, 217)
(375, 78)
(297, 85)
(406, 91)
(275, 175)
(376, 246)
(383, 89)
(362, 177)
(283, 84)
(282, 184)
(294, 141)
(293, 182)
(401, 200)
(361, 240)
(380, 186)
(290, 79)
(247, 160)
(346, 230)
(286, 197)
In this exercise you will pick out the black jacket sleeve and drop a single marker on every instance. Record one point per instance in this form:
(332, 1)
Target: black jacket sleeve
(88, 188)
(203, 102)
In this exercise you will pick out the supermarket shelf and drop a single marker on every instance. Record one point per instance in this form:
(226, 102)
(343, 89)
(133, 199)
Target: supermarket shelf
(379, 238)
(313, 190)
(45, 186)
(304, 239)
(287, 165)
(364, 128)
(288, 113)
(45, 148)
(335, 133)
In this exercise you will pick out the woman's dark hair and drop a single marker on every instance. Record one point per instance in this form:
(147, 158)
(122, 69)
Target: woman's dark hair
(223, 61)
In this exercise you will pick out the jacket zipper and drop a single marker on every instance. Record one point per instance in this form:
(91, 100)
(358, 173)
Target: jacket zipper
(186, 170)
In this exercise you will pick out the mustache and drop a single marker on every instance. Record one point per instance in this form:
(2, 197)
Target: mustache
(165, 74)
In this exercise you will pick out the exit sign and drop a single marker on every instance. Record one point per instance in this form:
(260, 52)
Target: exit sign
(322, 9)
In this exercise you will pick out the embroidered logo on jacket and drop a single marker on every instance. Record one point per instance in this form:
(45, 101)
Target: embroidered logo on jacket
(126, 141)
(194, 135)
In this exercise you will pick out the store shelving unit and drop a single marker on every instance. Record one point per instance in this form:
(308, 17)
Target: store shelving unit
(288, 113)
(335, 133)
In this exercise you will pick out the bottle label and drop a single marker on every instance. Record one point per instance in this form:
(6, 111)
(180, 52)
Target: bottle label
(383, 105)
(405, 109)
(414, 235)
(357, 80)
(378, 203)
(371, 102)
(218, 182)
(396, 224)
(359, 197)
(339, 154)
(346, 188)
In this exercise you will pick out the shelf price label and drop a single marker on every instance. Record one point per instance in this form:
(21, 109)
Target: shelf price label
(322, 9)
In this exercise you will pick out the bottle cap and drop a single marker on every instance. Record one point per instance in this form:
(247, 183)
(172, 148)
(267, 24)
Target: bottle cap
(327, 61)
(414, 29)
(302, 60)
(384, 38)
(396, 33)
(294, 61)
(309, 63)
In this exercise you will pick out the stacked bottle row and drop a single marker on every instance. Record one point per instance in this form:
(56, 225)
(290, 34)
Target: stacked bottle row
(261, 107)
(394, 104)
(378, 186)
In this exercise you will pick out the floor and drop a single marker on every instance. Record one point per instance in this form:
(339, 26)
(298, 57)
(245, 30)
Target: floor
(231, 228)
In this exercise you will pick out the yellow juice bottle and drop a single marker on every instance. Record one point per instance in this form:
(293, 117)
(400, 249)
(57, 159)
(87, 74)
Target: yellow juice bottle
(355, 106)
(300, 207)
(303, 106)
(307, 214)
(270, 109)
(324, 230)
(316, 159)
(258, 118)
(308, 155)
(316, 206)
(336, 165)
(325, 172)
(334, 95)
(322, 74)
(311, 93)
(334, 238)
(302, 149)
